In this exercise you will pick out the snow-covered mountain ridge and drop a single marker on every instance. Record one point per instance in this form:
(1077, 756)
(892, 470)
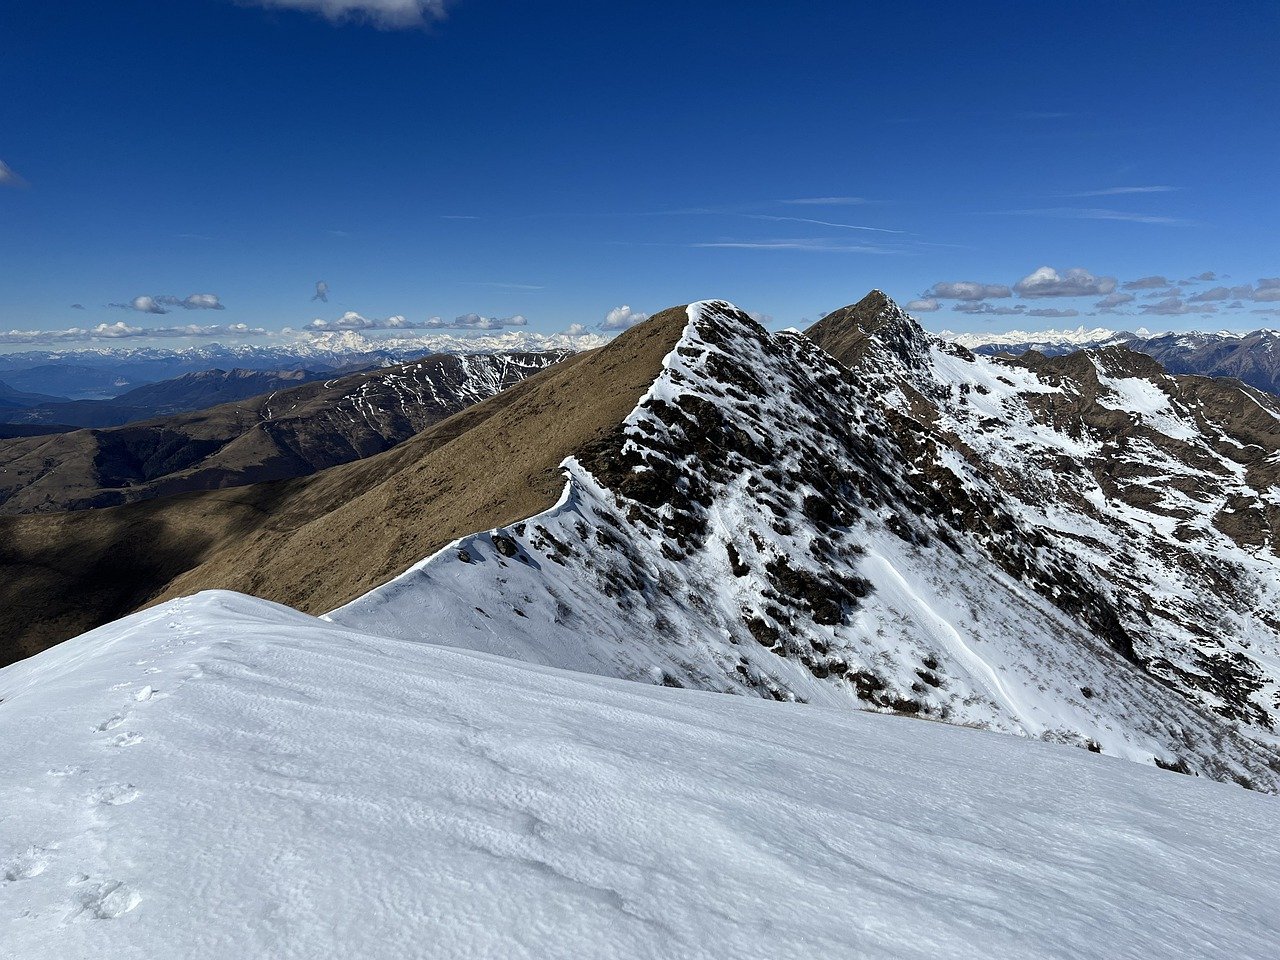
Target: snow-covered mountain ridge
(769, 521)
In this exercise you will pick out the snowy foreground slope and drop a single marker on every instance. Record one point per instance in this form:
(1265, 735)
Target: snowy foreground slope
(223, 777)
(770, 522)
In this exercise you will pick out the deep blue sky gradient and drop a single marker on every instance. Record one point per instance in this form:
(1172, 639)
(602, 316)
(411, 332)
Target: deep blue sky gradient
(192, 146)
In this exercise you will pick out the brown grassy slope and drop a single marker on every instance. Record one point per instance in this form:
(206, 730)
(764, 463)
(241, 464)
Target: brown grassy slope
(317, 542)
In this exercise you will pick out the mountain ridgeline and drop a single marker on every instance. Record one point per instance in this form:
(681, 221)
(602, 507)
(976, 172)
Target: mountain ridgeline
(1080, 549)
(286, 433)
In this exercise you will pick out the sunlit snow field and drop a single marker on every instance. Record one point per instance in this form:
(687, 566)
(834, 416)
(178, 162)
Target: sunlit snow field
(224, 777)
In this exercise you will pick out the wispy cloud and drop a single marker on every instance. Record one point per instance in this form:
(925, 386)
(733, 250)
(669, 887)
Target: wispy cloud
(501, 285)
(386, 14)
(820, 223)
(9, 176)
(827, 201)
(1094, 213)
(457, 216)
(1121, 191)
(818, 245)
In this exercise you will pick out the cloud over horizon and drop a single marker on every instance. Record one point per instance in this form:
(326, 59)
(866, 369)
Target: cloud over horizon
(620, 318)
(1076, 282)
(123, 331)
(967, 290)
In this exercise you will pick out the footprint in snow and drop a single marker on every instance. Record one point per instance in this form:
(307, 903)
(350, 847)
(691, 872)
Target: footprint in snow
(145, 694)
(105, 901)
(32, 863)
(116, 795)
(126, 739)
(110, 723)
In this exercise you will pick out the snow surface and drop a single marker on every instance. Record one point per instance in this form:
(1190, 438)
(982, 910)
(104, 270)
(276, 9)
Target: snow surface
(224, 777)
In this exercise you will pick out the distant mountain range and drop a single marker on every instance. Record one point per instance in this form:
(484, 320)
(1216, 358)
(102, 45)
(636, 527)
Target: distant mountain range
(191, 391)
(302, 425)
(107, 372)
(1253, 358)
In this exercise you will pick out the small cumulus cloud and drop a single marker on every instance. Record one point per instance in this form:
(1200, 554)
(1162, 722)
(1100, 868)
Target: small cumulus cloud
(1146, 283)
(978, 308)
(1052, 312)
(474, 321)
(1112, 300)
(620, 318)
(967, 290)
(575, 330)
(923, 305)
(162, 304)
(1076, 282)
(1176, 306)
(322, 292)
(77, 306)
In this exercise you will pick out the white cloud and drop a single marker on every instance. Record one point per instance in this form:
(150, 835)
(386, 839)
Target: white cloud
(967, 290)
(388, 14)
(816, 245)
(1076, 282)
(820, 223)
(828, 201)
(620, 318)
(121, 331)
(925, 305)
(1118, 191)
(161, 305)
(986, 309)
(348, 321)
(474, 321)
(322, 292)
(575, 330)
(196, 301)
(1176, 306)
(1052, 312)
(1095, 213)
(1113, 300)
(1146, 283)
(9, 177)
(141, 304)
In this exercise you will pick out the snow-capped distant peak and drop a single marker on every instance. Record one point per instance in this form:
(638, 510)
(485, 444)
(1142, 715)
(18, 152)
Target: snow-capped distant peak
(1079, 337)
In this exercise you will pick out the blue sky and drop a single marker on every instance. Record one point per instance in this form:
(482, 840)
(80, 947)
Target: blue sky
(477, 160)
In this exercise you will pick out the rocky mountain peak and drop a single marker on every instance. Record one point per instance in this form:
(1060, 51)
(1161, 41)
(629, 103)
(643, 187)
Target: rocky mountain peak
(873, 330)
